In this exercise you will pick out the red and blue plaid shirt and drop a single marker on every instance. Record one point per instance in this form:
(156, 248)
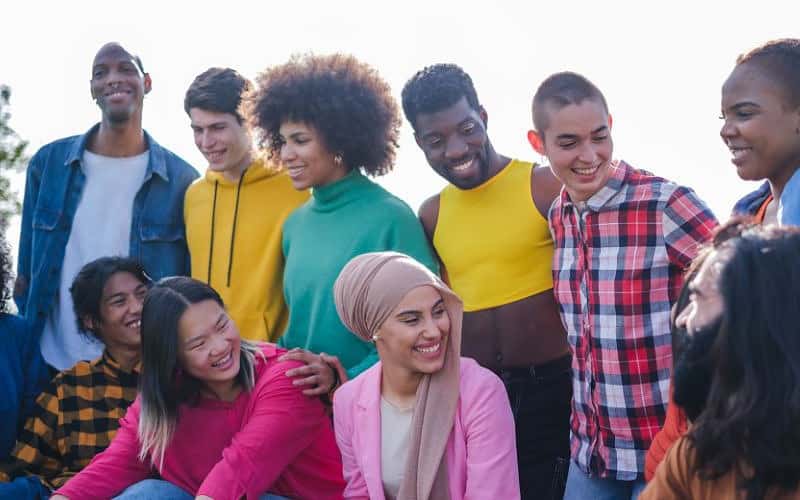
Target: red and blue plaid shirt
(618, 268)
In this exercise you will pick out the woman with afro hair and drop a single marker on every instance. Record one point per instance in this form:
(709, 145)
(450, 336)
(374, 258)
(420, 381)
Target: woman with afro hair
(332, 121)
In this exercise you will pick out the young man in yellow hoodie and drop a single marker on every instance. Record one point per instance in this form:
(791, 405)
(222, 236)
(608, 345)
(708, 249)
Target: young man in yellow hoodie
(235, 212)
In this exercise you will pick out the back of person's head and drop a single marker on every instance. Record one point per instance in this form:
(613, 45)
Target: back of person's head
(436, 88)
(752, 416)
(779, 60)
(87, 289)
(163, 384)
(219, 90)
(560, 90)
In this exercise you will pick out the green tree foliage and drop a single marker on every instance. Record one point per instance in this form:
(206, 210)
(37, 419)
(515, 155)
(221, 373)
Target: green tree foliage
(12, 159)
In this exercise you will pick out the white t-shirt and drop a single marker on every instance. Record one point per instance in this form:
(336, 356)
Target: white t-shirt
(101, 228)
(395, 433)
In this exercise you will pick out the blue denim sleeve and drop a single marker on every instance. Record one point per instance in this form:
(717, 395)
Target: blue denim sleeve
(32, 180)
(789, 205)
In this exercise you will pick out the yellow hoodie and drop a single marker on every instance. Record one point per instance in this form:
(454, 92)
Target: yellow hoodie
(233, 230)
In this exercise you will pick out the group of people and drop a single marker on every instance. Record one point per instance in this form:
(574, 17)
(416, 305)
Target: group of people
(284, 327)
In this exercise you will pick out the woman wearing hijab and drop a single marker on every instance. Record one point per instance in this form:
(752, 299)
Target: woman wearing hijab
(422, 423)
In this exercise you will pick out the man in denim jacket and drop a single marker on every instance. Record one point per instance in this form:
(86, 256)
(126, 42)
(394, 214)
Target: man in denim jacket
(111, 191)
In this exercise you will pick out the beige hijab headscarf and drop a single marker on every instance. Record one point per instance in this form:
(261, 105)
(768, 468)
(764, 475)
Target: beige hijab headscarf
(366, 292)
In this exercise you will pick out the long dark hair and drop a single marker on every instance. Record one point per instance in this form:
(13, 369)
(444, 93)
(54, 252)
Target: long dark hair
(162, 389)
(751, 423)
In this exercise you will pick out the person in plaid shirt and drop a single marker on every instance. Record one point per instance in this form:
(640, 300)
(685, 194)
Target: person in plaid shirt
(623, 239)
(77, 414)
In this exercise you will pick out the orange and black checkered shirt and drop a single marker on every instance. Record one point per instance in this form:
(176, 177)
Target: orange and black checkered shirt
(74, 419)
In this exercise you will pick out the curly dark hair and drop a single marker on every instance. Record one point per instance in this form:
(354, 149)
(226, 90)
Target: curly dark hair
(344, 99)
(780, 61)
(752, 416)
(6, 275)
(435, 88)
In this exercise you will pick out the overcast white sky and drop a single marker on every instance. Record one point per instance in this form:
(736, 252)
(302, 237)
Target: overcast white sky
(660, 65)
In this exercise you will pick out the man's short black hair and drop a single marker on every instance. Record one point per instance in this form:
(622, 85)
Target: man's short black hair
(435, 88)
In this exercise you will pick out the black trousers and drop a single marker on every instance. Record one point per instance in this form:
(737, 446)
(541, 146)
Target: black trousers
(540, 398)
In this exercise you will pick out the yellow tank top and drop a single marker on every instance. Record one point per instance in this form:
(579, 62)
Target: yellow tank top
(493, 241)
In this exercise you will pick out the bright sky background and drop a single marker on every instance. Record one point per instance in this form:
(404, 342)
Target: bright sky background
(659, 64)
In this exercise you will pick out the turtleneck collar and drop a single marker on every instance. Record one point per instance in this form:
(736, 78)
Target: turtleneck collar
(339, 193)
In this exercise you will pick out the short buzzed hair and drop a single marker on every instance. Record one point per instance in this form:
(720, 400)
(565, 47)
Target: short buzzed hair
(219, 90)
(779, 61)
(560, 90)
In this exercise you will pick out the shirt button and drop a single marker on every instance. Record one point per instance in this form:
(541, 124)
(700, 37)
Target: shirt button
(499, 357)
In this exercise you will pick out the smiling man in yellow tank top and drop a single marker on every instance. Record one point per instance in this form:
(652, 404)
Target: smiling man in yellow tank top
(489, 229)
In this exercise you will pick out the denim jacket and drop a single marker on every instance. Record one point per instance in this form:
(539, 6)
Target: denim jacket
(53, 189)
(789, 205)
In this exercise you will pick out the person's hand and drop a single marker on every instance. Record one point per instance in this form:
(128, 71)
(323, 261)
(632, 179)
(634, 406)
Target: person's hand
(317, 375)
(333, 362)
(58, 497)
(199, 497)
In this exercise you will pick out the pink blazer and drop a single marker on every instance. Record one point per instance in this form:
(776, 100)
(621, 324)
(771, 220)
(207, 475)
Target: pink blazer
(481, 451)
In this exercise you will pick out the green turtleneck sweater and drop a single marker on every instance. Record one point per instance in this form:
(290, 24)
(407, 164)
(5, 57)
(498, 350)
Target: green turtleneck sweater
(344, 219)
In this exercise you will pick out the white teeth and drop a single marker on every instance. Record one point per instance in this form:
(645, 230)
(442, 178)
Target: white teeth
(586, 171)
(222, 361)
(430, 349)
(462, 166)
(737, 152)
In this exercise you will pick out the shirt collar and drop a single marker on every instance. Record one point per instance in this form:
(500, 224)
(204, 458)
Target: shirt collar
(156, 162)
(113, 366)
(616, 180)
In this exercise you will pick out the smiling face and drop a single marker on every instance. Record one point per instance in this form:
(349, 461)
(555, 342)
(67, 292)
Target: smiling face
(415, 335)
(760, 126)
(577, 142)
(118, 84)
(209, 346)
(705, 300)
(120, 312)
(224, 142)
(306, 158)
(455, 143)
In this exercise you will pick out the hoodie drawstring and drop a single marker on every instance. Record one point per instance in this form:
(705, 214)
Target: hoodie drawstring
(233, 231)
(211, 245)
